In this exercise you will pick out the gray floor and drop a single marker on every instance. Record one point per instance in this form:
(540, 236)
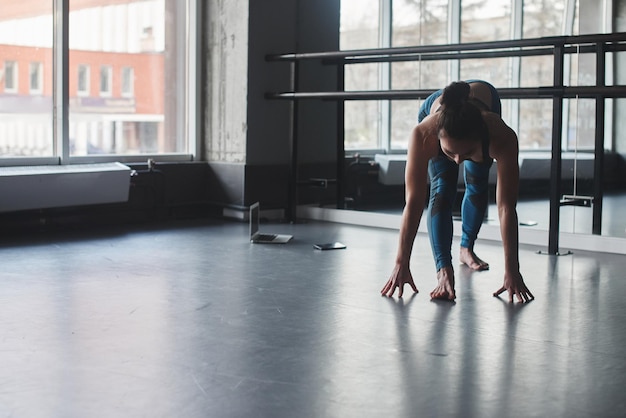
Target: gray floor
(194, 321)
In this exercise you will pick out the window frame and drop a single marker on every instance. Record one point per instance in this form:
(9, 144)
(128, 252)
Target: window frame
(37, 78)
(127, 81)
(454, 36)
(83, 70)
(105, 81)
(60, 15)
(14, 76)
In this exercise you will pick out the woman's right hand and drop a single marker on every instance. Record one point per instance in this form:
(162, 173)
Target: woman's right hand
(399, 277)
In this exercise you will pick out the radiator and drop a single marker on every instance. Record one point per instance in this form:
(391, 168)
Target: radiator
(41, 187)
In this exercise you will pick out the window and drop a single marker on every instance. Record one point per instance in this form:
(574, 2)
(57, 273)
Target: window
(128, 77)
(110, 114)
(377, 125)
(10, 76)
(359, 29)
(415, 23)
(540, 19)
(36, 78)
(483, 21)
(83, 80)
(147, 115)
(106, 79)
(26, 107)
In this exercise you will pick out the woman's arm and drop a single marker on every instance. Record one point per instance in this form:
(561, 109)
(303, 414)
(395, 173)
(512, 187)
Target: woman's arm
(507, 188)
(416, 174)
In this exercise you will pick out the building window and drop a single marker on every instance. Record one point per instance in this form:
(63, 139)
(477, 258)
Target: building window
(106, 80)
(83, 80)
(156, 39)
(36, 78)
(10, 76)
(128, 77)
(107, 107)
(27, 124)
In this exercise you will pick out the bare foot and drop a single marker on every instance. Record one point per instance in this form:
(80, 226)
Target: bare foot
(469, 258)
(445, 285)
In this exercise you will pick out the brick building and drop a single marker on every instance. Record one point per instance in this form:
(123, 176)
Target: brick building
(116, 77)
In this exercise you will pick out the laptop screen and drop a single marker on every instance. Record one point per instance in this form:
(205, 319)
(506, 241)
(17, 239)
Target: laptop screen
(254, 218)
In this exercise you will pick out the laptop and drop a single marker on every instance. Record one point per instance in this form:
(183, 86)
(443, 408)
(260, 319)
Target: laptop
(258, 237)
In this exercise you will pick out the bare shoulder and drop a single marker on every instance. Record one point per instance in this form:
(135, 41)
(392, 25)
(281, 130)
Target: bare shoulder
(424, 140)
(502, 138)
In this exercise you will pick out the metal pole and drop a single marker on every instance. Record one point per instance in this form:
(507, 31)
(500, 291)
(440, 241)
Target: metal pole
(589, 92)
(421, 51)
(340, 146)
(61, 80)
(292, 194)
(555, 168)
(598, 164)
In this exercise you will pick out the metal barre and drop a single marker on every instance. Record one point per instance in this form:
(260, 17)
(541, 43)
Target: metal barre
(505, 93)
(470, 46)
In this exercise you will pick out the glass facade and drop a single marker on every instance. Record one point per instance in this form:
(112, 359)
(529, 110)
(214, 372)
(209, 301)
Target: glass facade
(437, 22)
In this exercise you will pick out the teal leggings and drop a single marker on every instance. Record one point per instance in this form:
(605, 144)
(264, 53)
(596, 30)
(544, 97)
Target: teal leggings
(443, 174)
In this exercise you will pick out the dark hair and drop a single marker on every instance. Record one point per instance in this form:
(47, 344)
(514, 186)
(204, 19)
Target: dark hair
(459, 117)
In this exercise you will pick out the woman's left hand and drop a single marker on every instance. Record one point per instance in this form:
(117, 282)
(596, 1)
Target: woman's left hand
(514, 283)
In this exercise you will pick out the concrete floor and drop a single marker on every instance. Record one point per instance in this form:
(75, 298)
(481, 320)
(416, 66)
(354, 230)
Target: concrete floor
(191, 320)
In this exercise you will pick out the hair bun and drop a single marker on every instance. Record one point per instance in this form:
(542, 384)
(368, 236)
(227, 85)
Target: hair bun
(455, 94)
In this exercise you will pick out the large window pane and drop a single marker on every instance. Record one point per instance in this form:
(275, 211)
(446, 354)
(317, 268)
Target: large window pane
(536, 71)
(497, 71)
(485, 20)
(419, 22)
(543, 18)
(581, 112)
(362, 125)
(536, 131)
(26, 79)
(403, 120)
(359, 24)
(415, 22)
(362, 117)
(359, 30)
(137, 100)
(540, 19)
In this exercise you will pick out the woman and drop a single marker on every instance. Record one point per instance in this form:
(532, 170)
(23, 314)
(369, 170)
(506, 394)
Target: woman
(460, 123)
